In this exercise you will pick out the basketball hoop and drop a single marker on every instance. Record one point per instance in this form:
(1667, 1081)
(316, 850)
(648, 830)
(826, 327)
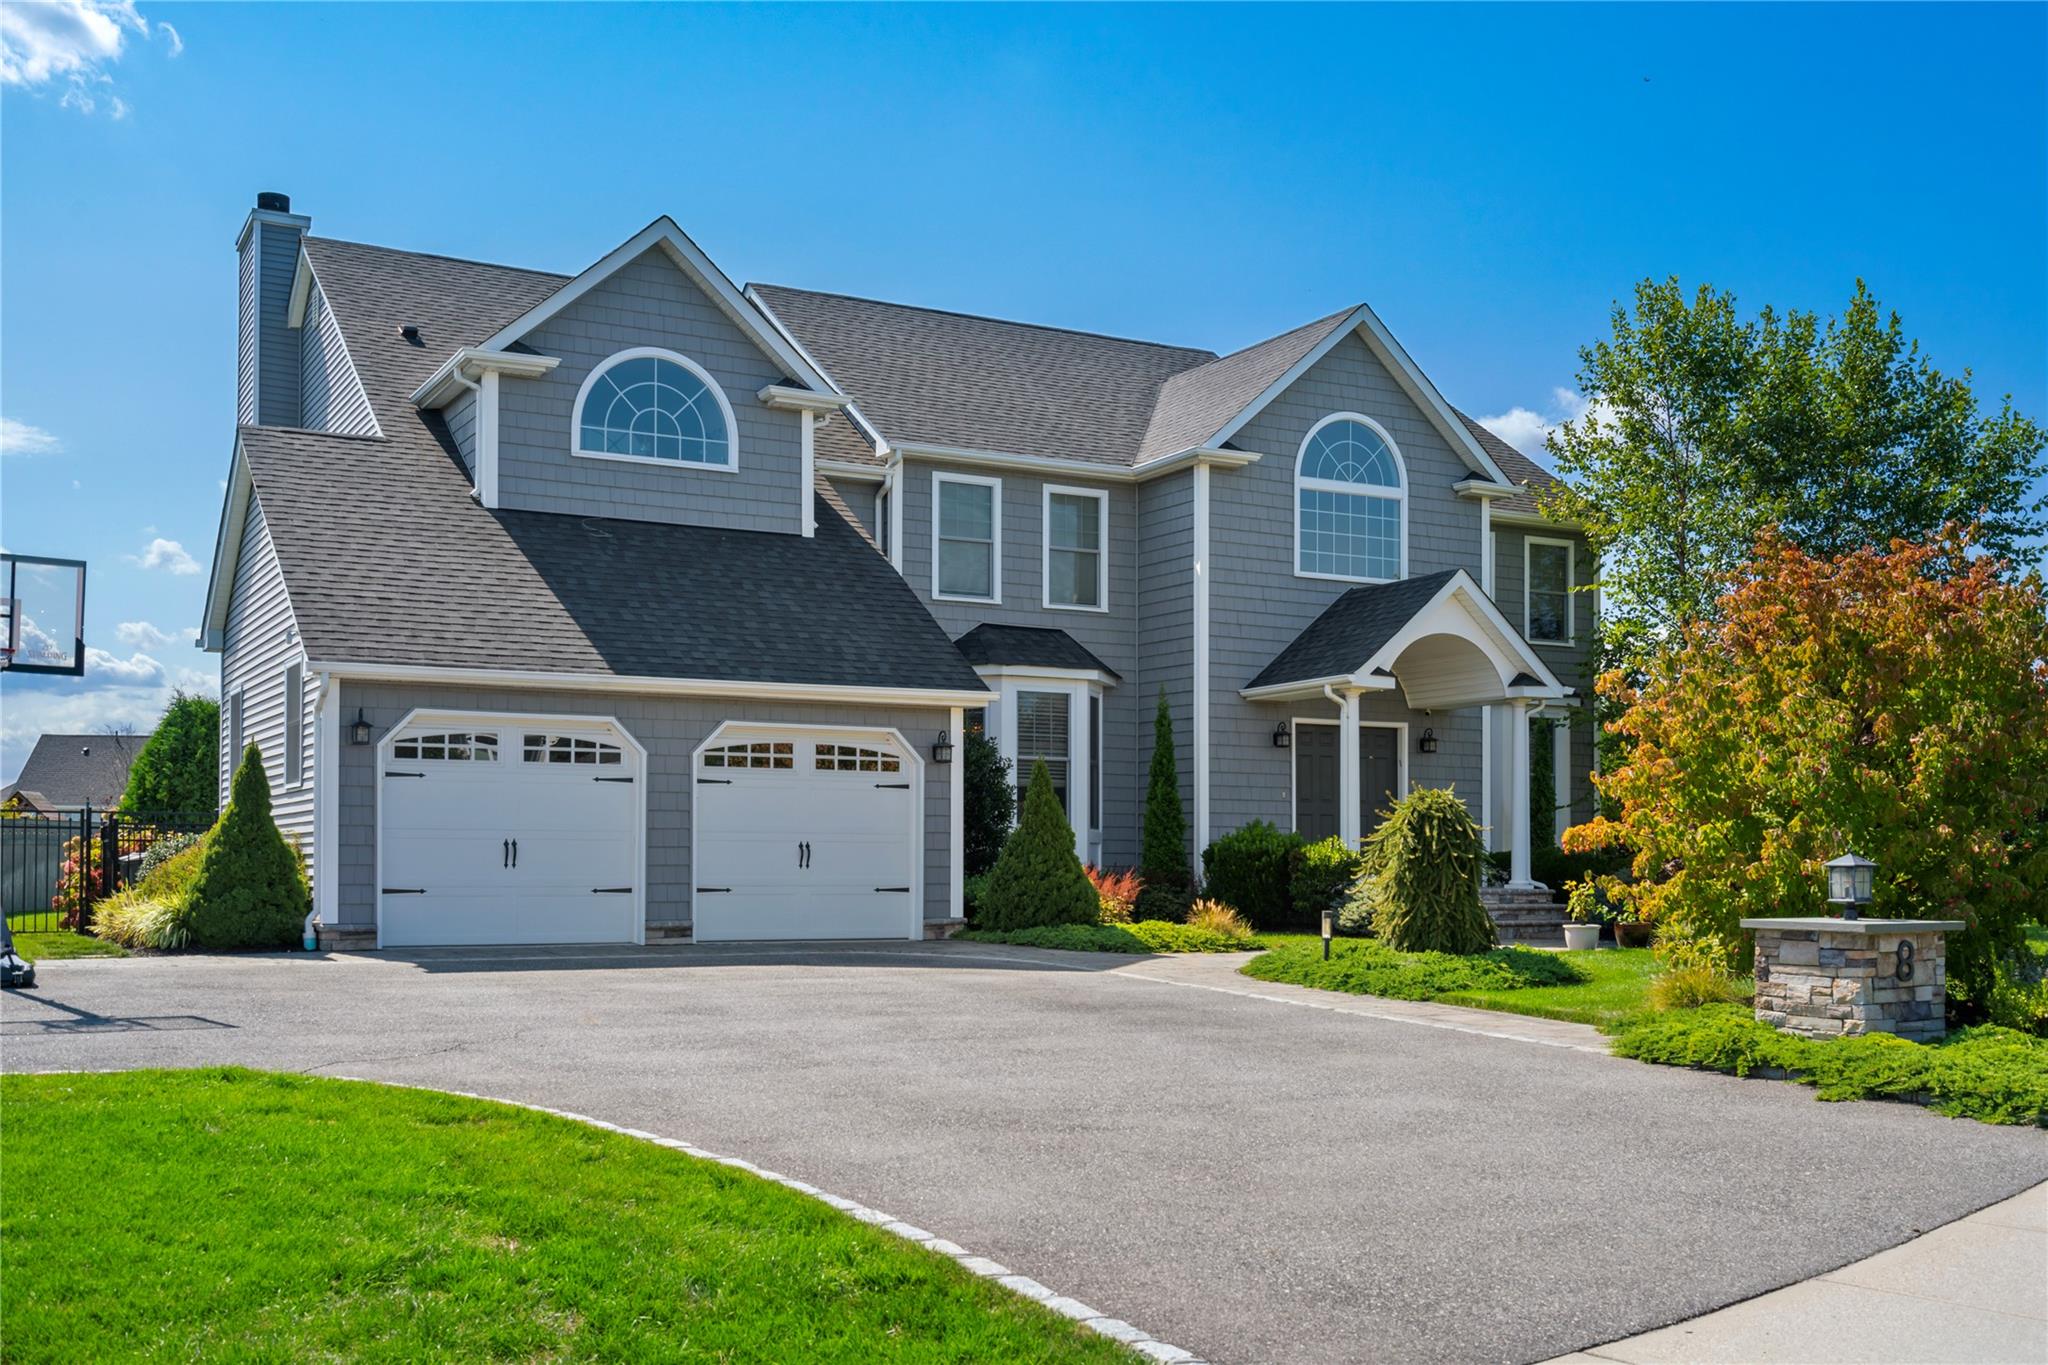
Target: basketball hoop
(42, 615)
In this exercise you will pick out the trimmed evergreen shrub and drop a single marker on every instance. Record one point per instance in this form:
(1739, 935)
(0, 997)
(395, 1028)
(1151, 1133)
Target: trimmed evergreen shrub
(1424, 866)
(1163, 858)
(1321, 877)
(1038, 880)
(988, 802)
(251, 890)
(179, 768)
(1249, 868)
(1169, 904)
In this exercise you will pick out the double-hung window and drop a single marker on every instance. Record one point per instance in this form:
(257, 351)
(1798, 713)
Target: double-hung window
(1076, 563)
(1547, 581)
(967, 532)
(1042, 733)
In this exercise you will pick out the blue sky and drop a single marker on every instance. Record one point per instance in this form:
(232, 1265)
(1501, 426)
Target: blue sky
(1489, 178)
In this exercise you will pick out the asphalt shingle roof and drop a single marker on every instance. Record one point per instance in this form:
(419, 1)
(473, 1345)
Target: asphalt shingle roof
(74, 770)
(1031, 646)
(1195, 404)
(1351, 630)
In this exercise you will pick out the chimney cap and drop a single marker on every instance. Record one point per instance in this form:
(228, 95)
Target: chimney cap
(271, 201)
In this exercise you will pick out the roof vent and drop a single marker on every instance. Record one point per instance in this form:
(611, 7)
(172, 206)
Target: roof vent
(410, 333)
(270, 201)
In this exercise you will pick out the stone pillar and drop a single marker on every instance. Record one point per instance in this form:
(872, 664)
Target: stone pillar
(1830, 978)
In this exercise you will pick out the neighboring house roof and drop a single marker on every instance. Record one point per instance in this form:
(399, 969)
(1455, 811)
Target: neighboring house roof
(1351, 630)
(13, 797)
(80, 770)
(390, 561)
(1028, 646)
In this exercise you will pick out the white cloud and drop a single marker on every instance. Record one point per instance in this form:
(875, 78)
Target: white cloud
(19, 438)
(1527, 429)
(70, 44)
(131, 693)
(143, 635)
(136, 668)
(168, 555)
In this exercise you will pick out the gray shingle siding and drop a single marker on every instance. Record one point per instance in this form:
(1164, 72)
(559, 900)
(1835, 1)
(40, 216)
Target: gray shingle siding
(859, 497)
(276, 248)
(331, 395)
(649, 302)
(671, 729)
(460, 419)
(1258, 605)
(261, 642)
(245, 334)
(1110, 635)
(1165, 631)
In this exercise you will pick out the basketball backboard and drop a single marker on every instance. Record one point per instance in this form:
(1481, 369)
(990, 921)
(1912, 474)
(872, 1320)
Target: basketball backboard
(43, 601)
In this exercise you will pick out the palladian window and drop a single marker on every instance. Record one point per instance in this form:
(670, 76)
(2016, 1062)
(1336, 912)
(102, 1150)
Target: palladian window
(1350, 505)
(656, 406)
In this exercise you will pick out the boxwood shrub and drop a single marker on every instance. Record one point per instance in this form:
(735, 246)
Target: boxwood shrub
(1250, 869)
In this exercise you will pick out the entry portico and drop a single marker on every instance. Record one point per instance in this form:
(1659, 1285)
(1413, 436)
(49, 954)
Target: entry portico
(1442, 643)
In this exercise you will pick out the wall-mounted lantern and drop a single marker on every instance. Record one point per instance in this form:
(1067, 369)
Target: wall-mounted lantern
(1849, 879)
(942, 748)
(359, 729)
(1283, 735)
(1428, 744)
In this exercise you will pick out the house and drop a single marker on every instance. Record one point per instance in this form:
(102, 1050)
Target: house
(70, 772)
(18, 800)
(634, 605)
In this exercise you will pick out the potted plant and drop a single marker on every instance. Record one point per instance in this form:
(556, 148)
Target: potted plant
(1583, 915)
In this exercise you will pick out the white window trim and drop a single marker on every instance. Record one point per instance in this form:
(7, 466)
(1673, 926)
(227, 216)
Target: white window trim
(1045, 547)
(995, 565)
(1571, 585)
(1398, 495)
(732, 426)
(1400, 729)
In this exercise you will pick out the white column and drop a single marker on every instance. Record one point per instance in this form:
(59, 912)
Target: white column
(1348, 820)
(1518, 797)
(1486, 561)
(1201, 721)
(487, 439)
(956, 815)
(327, 799)
(807, 496)
(1080, 742)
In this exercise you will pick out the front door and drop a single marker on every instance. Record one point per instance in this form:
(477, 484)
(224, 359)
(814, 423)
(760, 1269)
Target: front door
(1317, 777)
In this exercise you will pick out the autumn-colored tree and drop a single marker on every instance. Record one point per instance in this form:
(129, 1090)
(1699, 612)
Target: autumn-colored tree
(1893, 702)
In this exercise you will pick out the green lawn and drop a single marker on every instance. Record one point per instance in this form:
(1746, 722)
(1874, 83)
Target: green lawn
(1146, 936)
(1602, 988)
(232, 1214)
(38, 944)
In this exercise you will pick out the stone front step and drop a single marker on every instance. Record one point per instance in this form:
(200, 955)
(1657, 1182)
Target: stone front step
(1527, 917)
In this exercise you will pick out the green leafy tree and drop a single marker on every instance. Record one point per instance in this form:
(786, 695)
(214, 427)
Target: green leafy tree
(988, 801)
(1422, 880)
(1707, 427)
(179, 768)
(1163, 858)
(1038, 879)
(251, 889)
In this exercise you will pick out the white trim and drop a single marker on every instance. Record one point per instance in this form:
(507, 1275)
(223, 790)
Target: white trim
(473, 362)
(487, 439)
(227, 551)
(273, 217)
(1043, 673)
(1085, 469)
(783, 398)
(685, 687)
(915, 771)
(1077, 693)
(1398, 495)
(326, 799)
(995, 554)
(1571, 583)
(302, 289)
(1519, 877)
(1200, 574)
(1101, 495)
(1294, 762)
(956, 818)
(686, 254)
(1406, 372)
(807, 489)
(852, 409)
(893, 485)
(732, 426)
(856, 473)
(1509, 517)
(1486, 820)
(429, 715)
(1483, 490)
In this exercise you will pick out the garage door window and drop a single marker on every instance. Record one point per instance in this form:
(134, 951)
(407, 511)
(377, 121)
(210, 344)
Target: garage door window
(848, 758)
(571, 749)
(448, 748)
(761, 753)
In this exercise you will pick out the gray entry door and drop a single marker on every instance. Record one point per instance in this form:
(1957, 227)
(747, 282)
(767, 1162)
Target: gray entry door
(1316, 778)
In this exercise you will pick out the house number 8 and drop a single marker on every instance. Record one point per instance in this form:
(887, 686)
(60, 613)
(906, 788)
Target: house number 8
(1904, 969)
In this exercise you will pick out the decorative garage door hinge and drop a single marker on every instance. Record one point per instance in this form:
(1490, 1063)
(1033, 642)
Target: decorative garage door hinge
(714, 781)
(611, 890)
(904, 786)
(714, 888)
(611, 779)
(405, 890)
(405, 774)
(904, 889)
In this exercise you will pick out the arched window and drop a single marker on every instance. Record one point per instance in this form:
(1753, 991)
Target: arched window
(1350, 502)
(654, 405)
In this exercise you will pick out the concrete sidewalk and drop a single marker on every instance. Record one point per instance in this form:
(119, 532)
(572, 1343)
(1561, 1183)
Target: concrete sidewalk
(1974, 1290)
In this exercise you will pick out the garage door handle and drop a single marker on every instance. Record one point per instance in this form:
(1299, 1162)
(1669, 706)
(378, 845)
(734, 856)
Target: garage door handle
(714, 888)
(405, 774)
(507, 854)
(900, 786)
(404, 890)
(904, 889)
(611, 779)
(515, 853)
(615, 890)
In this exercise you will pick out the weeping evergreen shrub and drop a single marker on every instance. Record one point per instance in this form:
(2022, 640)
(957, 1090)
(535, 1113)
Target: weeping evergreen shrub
(1037, 880)
(1423, 867)
(251, 889)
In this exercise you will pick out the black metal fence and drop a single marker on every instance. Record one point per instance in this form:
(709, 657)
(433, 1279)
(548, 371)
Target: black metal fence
(54, 868)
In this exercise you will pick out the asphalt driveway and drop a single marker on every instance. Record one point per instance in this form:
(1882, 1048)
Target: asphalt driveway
(1252, 1181)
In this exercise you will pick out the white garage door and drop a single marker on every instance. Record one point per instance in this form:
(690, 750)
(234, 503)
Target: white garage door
(803, 835)
(510, 833)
